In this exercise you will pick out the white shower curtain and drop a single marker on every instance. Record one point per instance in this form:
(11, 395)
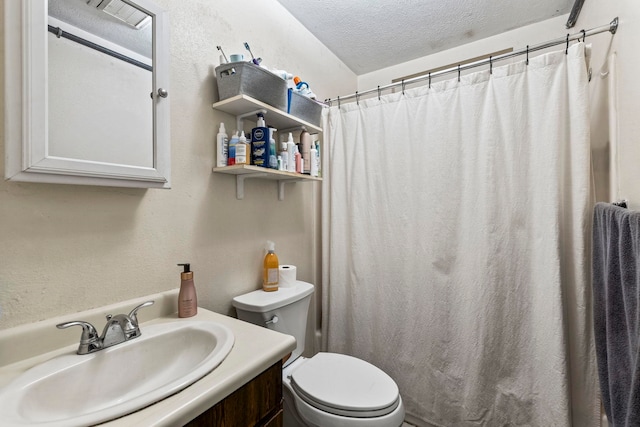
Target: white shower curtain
(455, 244)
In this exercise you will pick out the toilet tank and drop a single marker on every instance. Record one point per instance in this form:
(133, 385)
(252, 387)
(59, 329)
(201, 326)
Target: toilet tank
(284, 310)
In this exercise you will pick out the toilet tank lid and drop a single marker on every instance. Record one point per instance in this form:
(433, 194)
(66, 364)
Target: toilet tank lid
(260, 301)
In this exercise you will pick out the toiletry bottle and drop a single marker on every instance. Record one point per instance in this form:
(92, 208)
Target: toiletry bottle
(298, 160)
(271, 272)
(232, 149)
(303, 88)
(222, 147)
(242, 150)
(305, 148)
(260, 143)
(285, 157)
(291, 151)
(273, 159)
(284, 75)
(319, 159)
(187, 299)
(314, 162)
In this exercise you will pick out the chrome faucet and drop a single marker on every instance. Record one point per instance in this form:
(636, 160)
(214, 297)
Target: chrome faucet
(119, 328)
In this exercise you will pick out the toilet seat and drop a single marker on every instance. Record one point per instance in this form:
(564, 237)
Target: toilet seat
(346, 386)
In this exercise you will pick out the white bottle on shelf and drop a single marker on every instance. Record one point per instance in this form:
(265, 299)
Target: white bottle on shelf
(314, 162)
(242, 150)
(305, 148)
(291, 151)
(284, 154)
(222, 147)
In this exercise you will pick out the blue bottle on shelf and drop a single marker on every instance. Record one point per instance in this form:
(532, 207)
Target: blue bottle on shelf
(260, 148)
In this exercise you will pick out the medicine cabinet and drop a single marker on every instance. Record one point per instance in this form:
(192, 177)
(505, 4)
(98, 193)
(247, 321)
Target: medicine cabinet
(243, 105)
(58, 130)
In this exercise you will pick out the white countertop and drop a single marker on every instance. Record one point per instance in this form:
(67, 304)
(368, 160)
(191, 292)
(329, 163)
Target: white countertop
(255, 349)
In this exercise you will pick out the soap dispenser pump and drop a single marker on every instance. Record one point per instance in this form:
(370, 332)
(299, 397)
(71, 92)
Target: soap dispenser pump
(187, 299)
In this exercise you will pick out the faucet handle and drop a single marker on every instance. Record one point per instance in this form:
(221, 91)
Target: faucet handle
(133, 315)
(89, 340)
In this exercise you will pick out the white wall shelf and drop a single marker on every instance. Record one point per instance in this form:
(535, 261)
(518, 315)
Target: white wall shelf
(243, 172)
(239, 106)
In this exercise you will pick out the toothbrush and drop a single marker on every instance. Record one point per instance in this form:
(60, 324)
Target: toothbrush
(253, 59)
(222, 51)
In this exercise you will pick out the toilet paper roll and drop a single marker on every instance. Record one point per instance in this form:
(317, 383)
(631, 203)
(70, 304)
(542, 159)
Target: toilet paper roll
(287, 276)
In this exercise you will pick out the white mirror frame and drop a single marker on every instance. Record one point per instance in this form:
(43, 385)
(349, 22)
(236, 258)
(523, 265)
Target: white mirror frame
(26, 101)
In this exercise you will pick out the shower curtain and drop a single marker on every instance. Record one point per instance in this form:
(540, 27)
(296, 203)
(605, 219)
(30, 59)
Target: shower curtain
(455, 224)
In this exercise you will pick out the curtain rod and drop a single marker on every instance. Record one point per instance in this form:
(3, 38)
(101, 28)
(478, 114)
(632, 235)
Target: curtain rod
(59, 32)
(612, 27)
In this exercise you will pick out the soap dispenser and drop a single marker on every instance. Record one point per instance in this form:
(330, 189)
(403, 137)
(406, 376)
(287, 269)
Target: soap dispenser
(187, 299)
(271, 269)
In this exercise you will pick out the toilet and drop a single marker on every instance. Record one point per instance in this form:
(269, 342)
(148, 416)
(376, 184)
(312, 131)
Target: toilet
(328, 389)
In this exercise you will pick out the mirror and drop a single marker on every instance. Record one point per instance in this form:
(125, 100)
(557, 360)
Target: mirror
(78, 84)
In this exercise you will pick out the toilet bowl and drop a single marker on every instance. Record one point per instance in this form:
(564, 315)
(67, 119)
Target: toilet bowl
(332, 389)
(328, 389)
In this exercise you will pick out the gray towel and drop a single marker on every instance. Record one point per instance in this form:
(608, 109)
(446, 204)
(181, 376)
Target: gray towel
(616, 316)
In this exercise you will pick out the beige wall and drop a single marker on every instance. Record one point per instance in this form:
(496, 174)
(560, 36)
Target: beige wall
(625, 47)
(66, 248)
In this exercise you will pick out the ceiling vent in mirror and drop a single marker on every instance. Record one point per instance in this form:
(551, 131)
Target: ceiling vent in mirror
(123, 11)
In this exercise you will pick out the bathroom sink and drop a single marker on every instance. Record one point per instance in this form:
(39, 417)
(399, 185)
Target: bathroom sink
(73, 390)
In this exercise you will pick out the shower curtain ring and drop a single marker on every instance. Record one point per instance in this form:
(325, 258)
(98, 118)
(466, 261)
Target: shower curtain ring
(490, 64)
(429, 80)
(584, 36)
(378, 92)
(566, 51)
(458, 73)
(338, 102)
(527, 54)
(403, 86)
(357, 98)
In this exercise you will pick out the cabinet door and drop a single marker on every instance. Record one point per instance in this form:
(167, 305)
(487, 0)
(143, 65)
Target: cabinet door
(257, 403)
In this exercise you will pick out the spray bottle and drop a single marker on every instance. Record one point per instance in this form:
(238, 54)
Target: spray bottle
(222, 147)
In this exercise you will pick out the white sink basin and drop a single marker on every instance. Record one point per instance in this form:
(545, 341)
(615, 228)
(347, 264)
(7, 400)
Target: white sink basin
(73, 390)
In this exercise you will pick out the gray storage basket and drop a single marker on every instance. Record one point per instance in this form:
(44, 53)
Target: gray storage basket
(236, 78)
(304, 108)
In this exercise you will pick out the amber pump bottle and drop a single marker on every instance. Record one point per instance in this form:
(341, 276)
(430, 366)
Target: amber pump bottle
(271, 272)
(187, 299)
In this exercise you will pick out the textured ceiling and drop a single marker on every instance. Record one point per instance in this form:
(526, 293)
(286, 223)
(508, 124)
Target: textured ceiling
(368, 35)
(90, 19)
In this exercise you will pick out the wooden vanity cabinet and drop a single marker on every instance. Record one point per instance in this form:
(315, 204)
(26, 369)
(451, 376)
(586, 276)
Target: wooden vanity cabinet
(257, 403)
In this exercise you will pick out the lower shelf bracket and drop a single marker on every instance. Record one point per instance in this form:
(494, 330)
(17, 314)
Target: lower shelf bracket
(281, 184)
(240, 183)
